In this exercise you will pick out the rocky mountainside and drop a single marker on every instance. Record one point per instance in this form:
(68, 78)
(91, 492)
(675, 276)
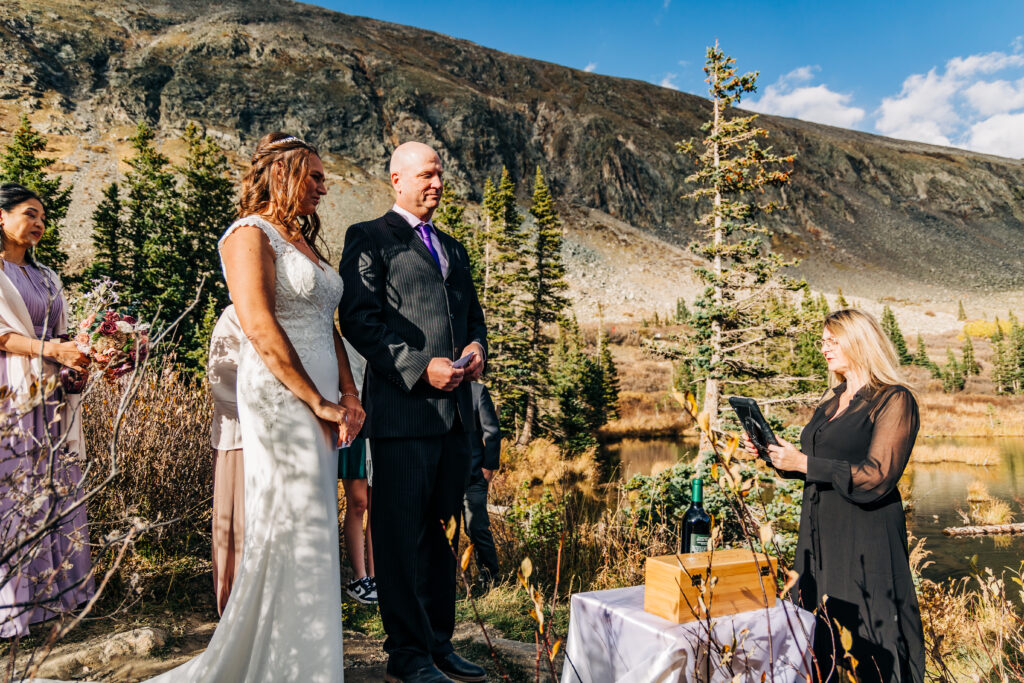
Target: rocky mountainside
(875, 216)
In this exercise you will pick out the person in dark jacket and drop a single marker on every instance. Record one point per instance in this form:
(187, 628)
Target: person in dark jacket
(485, 442)
(410, 309)
(852, 553)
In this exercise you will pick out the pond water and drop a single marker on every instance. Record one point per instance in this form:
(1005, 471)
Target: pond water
(937, 492)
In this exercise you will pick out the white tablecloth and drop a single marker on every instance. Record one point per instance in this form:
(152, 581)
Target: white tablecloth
(612, 639)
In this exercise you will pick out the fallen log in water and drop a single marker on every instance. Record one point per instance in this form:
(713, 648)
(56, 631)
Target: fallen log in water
(984, 529)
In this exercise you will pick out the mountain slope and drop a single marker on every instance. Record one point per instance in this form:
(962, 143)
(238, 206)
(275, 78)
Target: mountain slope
(869, 214)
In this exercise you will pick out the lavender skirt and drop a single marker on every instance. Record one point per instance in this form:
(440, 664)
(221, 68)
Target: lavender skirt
(52, 575)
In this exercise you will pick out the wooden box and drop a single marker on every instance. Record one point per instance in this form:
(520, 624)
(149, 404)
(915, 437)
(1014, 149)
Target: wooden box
(672, 586)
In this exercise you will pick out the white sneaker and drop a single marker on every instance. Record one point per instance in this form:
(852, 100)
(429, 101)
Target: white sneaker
(363, 591)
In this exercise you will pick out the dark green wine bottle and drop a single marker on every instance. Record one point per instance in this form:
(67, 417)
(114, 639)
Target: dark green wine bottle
(696, 522)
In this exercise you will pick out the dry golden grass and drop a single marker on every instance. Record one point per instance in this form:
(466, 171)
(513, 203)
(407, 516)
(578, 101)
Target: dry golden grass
(541, 463)
(984, 509)
(165, 464)
(977, 492)
(971, 415)
(971, 626)
(977, 455)
(646, 414)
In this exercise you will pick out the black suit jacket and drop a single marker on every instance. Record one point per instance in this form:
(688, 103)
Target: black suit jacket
(486, 442)
(398, 311)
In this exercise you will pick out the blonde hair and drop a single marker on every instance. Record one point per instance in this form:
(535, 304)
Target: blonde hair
(262, 193)
(866, 346)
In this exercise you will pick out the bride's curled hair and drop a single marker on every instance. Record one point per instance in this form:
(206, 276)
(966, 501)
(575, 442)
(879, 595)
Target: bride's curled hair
(266, 195)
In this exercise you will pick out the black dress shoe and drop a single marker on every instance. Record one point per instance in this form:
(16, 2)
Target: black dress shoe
(428, 674)
(457, 668)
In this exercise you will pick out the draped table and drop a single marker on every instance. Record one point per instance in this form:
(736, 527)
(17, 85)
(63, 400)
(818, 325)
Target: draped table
(612, 639)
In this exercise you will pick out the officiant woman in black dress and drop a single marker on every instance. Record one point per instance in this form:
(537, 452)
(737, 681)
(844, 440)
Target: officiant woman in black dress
(853, 534)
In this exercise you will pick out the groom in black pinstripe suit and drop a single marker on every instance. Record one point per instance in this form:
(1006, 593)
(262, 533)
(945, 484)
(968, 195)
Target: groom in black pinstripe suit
(410, 308)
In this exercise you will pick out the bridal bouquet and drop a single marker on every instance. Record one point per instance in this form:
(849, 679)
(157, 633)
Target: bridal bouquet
(113, 341)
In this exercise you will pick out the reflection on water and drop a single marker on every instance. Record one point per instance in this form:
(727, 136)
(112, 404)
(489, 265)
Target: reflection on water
(937, 491)
(645, 456)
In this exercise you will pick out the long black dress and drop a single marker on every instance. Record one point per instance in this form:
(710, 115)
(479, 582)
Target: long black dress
(853, 534)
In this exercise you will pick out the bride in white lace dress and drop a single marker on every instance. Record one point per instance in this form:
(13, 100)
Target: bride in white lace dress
(283, 619)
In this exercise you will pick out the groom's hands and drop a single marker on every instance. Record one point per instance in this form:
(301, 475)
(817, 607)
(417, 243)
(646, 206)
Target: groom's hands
(441, 375)
(476, 366)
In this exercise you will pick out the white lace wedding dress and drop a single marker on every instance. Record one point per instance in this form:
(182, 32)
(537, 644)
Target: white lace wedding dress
(282, 622)
(283, 619)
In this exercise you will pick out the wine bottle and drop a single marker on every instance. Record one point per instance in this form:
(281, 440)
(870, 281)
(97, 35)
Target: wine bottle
(696, 522)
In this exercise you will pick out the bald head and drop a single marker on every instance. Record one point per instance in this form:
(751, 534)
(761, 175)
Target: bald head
(409, 153)
(416, 176)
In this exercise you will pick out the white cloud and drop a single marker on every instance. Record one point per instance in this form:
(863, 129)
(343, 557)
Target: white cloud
(801, 74)
(789, 96)
(1002, 134)
(995, 97)
(958, 106)
(923, 111)
(669, 81)
(1018, 44)
(590, 67)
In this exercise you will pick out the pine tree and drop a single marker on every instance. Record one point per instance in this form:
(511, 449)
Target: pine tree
(892, 330)
(450, 216)
(578, 390)
(732, 172)
(152, 219)
(970, 363)
(823, 305)
(107, 237)
(609, 376)
(545, 299)
(961, 314)
(506, 270)
(491, 213)
(1015, 355)
(922, 359)
(199, 354)
(682, 312)
(954, 377)
(841, 302)
(207, 208)
(22, 163)
(1002, 370)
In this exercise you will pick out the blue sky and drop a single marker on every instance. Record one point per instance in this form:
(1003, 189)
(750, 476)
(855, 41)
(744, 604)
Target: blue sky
(942, 72)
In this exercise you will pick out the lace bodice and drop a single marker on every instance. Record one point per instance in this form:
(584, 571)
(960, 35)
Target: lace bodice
(305, 298)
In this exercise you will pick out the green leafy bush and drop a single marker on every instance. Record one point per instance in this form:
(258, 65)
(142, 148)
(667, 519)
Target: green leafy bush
(662, 500)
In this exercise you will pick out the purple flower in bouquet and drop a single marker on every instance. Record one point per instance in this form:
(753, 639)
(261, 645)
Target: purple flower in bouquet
(122, 370)
(108, 327)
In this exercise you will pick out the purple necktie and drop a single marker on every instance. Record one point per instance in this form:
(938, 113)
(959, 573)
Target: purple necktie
(424, 229)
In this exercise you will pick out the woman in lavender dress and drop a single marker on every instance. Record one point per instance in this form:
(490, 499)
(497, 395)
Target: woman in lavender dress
(50, 575)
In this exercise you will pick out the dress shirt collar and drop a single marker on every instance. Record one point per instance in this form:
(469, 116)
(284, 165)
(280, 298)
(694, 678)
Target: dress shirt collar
(409, 218)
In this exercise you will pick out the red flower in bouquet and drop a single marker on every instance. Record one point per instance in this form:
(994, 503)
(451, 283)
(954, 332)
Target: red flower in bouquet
(114, 342)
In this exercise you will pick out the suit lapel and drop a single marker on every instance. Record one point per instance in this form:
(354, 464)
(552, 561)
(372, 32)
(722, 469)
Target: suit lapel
(443, 239)
(409, 235)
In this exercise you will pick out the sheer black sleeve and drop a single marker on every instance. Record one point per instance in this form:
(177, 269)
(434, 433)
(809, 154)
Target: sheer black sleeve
(896, 422)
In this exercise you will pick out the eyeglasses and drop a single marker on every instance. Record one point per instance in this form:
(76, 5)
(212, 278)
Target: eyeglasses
(830, 343)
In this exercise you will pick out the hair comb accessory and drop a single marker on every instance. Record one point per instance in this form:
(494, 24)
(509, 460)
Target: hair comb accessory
(290, 138)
